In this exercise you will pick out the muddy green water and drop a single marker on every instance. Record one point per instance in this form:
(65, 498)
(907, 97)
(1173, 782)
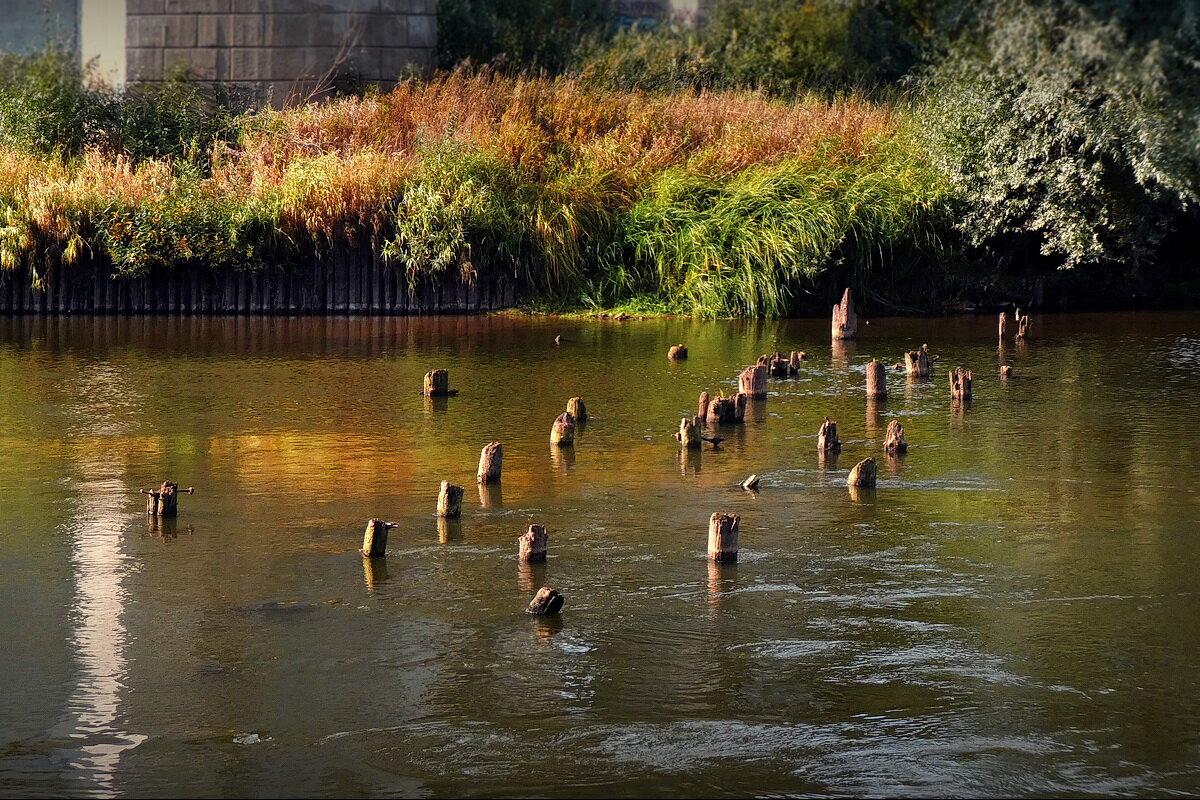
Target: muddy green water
(1014, 610)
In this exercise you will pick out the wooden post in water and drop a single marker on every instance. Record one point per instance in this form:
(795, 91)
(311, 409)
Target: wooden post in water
(876, 381)
(677, 353)
(375, 538)
(723, 538)
(1003, 323)
(753, 382)
(827, 437)
(750, 484)
(546, 601)
(740, 400)
(916, 362)
(531, 547)
(688, 435)
(449, 502)
(1006, 372)
(437, 384)
(577, 409)
(845, 322)
(702, 407)
(794, 362)
(863, 473)
(722, 411)
(562, 433)
(894, 442)
(491, 460)
(778, 366)
(1025, 327)
(960, 384)
(161, 502)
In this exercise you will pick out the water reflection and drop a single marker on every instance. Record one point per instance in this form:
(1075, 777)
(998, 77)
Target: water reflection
(375, 572)
(449, 529)
(491, 495)
(689, 461)
(562, 459)
(531, 577)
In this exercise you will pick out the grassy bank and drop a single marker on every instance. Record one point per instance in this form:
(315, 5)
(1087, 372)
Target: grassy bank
(721, 203)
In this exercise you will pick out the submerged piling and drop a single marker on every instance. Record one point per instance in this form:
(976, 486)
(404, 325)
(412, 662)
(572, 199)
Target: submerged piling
(827, 437)
(863, 474)
(375, 538)
(491, 460)
(546, 601)
(562, 432)
(845, 322)
(450, 498)
(437, 384)
(876, 381)
(723, 538)
(532, 545)
(161, 502)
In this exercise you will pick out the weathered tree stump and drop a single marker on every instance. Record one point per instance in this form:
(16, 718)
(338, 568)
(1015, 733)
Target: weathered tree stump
(531, 547)
(1003, 323)
(161, 502)
(763, 361)
(450, 498)
(863, 473)
(677, 353)
(577, 409)
(437, 384)
(916, 362)
(375, 538)
(740, 401)
(960, 384)
(723, 538)
(1025, 327)
(794, 361)
(750, 484)
(845, 322)
(827, 437)
(702, 407)
(491, 460)
(562, 433)
(688, 435)
(723, 411)
(546, 601)
(1006, 372)
(893, 441)
(753, 382)
(876, 381)
(779, 367)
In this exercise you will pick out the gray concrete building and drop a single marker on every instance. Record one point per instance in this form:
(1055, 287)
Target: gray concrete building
(286, 48)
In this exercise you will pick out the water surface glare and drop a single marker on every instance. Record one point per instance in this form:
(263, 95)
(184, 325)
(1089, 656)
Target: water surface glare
(1013, 611)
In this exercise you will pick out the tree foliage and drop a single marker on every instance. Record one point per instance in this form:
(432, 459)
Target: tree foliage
(1072, 124)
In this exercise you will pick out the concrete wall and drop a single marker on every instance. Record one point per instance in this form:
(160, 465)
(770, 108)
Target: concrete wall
(26, 26)
(284, 46)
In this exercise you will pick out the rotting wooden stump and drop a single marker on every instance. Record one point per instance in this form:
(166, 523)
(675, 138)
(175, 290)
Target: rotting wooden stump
(863, 473)
(845, 322)
(375, 538)
(794, 361)
(577, 409)
(437, 384)
(827, 437)
(727, 410)
(702, 408)
(688, 435)
(916, 362)
(1025, 327)
(753, 382)
(546, 601)
(960, 384)
(876, 381)
(750, 484)
(778, 366)
(677, 353)
(723, 538)
(1003, 326)
(1006, 372)
(491, 460)
(531, 547)
(893, 441)
(450, 498)
(562, 432)
(161, 502)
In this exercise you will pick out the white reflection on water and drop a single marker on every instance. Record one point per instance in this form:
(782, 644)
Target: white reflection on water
(99, 637)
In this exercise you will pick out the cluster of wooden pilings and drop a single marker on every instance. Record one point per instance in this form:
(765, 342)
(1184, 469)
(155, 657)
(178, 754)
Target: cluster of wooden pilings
(711, 414)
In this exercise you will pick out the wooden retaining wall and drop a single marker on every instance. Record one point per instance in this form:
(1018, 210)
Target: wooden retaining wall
(348, 281)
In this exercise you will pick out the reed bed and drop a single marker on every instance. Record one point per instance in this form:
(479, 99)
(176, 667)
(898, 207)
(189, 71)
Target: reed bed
(721, 203)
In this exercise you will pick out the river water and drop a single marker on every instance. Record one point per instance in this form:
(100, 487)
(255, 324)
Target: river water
(1014, 611)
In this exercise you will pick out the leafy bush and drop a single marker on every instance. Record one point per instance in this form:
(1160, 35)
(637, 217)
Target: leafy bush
(530, 34)
(1073, 124)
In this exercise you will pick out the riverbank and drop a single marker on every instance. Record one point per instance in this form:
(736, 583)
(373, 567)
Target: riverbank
(714, 204)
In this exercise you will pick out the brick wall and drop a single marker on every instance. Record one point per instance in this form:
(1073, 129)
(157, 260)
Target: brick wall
(282, 46)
